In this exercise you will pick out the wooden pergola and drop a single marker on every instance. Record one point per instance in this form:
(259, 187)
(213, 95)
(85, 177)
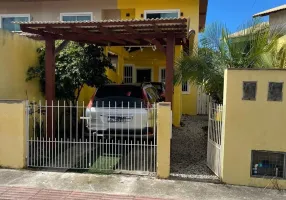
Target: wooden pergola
(165, 34)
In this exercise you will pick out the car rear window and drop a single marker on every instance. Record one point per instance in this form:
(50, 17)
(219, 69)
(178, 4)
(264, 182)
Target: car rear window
(119, 91)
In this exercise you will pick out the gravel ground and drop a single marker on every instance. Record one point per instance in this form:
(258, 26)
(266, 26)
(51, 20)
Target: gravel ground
(189, 149)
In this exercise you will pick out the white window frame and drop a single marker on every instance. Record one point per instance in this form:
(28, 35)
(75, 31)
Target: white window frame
(133, 69)
(160, 73)
(75, 14)
(161, 11)
(14, 15)
(189, 89)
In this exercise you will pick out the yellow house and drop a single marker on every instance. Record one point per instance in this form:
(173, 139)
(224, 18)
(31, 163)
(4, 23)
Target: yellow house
(133, 64)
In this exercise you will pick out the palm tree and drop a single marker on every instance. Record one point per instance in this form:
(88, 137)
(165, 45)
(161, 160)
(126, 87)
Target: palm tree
(256, 46)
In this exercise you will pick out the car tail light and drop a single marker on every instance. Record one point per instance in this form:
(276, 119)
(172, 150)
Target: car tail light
(90, 103)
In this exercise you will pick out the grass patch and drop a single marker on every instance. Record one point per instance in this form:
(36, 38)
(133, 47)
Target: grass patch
(104, 164)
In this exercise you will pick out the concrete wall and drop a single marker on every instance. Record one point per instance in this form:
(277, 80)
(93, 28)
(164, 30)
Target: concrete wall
(12, 133)
(251, 125)
(50, 10)
(278, 20)
(17, 54)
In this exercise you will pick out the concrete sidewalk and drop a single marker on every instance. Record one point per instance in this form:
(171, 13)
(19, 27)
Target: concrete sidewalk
(132, 186)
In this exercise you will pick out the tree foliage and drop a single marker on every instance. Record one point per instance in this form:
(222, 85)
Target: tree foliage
(76, 65)
(256, 46)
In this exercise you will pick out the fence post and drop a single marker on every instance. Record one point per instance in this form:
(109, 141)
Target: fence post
(164, 127)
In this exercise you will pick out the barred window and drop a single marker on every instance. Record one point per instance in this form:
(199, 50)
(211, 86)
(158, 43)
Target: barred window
(128, 74)
(267, 164)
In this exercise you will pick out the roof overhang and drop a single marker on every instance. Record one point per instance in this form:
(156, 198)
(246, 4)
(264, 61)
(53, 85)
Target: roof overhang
(203, 13)
(270, 11)
(111, 32)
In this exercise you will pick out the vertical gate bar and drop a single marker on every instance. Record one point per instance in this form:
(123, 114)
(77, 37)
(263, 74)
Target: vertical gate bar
(131, 151)
(40, 108)
(49, 152)
(97, 163)
(76, 120)
(28, 132)
(134, 138)
(37, 150)
(86, 153)
(80, 150)
(46, 133)
(144, 156)
(91, 150)
(65, 144)
(118, 153)
(73, 145)
(74, 153)
(82, 122)
(151, 161)
(34, 139)
(128, 139)
(125, 155)
(61, 152)
(155, 135)
(112, 153)
(138, 149)
(141, 126)
(107, 145)
(122, 144)
(106, 152)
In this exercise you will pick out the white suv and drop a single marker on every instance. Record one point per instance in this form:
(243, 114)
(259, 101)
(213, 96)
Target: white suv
(123, 110)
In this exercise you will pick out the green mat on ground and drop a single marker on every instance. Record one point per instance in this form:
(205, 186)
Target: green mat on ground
(104, 164)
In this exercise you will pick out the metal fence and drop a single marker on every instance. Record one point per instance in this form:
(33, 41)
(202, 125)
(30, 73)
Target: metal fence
(214, 137)
(110, 137)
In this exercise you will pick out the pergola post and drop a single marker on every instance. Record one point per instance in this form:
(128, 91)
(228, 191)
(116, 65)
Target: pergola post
(170, 56)
(50, 83)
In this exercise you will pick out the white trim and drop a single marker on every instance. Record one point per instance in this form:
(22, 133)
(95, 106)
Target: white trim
(14, 15)
(74, 14)
(160, 74)
(161, 11)
(189, 88)
(143, 68)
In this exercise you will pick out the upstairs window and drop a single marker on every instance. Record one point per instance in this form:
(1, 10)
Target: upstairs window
(154, 14)
(6, 21)
(86, 16)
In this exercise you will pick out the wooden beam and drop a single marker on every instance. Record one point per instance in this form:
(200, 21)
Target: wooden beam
(50, 83)
(61, 47)
(170, 58)
(157, 44)
(157, 29)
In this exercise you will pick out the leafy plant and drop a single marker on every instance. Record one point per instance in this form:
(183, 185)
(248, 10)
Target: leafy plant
(256, 46)
(76, 65)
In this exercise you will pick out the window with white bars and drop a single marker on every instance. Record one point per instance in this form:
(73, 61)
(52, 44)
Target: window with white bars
(268, 164)
(128, 74)
(185, 88)
(163, 75)
(6, 21)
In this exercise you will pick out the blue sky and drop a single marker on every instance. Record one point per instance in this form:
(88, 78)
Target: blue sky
(233, 13)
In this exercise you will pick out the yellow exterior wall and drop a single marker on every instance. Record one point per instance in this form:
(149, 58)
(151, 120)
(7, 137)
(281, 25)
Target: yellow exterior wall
(164, 139)
(189, 9)
(251, 125)
(17, 54)
(12, 133)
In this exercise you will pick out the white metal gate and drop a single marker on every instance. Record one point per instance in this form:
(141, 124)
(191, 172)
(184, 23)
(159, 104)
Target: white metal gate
(119, 139)
(203, 101)
(214, 137)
